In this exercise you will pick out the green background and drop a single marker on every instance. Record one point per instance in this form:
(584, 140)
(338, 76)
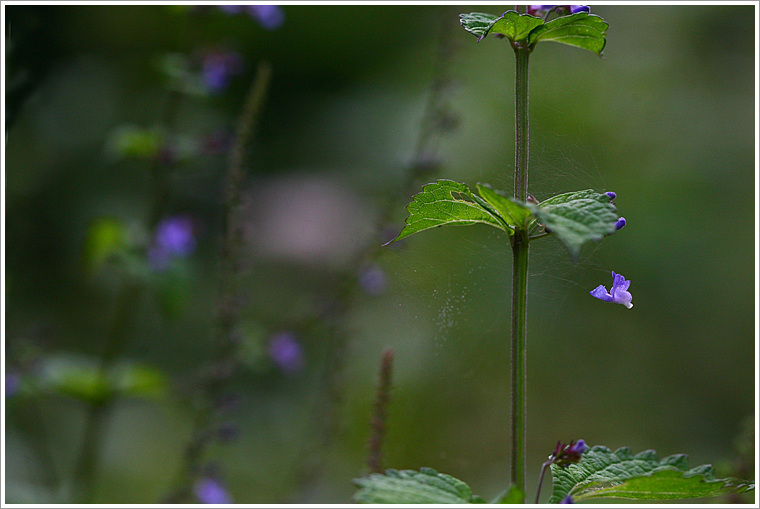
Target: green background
(665, 119)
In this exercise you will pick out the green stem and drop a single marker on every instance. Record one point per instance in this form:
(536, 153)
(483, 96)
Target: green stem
(520, 274)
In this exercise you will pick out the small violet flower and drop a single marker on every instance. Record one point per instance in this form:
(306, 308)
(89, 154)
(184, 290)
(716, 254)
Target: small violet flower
(620, 223)
(210, 491)
(541, 10)
(567, 500)
(619, 293)
(285, 351)
(174, 238)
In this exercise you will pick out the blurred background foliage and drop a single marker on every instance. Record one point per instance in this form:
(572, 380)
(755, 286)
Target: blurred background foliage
(110, 107)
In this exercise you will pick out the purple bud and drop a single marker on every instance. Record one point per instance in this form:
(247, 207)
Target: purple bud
(211, 491)
(567, 500)
(285, 351)
(611, 194)
(620, 223)
(574, 9)
(564, 455)
(577, 448)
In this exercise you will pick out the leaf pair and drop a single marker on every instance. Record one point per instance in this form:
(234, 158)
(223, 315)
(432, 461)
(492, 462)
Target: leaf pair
(601, 473)
(583, 30)
(574, 218)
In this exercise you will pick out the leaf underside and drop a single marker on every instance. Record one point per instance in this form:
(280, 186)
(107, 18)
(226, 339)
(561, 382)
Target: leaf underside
(577, 217)
(602, 473)
(411, 487)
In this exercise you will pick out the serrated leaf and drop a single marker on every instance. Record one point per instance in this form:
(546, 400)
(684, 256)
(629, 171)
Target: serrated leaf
(411, 487)
(584, 30)
(477, 23)
(446, 202)
(577, 217)
(602, 473)
(513, 25)
(513, 212)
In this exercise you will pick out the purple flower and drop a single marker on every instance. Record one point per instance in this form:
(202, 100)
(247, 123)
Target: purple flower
(270, 17)
(211, 491)
(611, 194)
(12, 384)
(372, 280)
(567, 500)
(218, 67)
(285, 351)
(174, 237)
(618, 294)
(620, 223)
(541, 10)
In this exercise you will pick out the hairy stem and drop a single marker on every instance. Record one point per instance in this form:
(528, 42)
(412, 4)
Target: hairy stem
(520, 274)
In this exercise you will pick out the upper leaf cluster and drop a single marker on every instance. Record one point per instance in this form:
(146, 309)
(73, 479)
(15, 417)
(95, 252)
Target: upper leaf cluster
(583, 30)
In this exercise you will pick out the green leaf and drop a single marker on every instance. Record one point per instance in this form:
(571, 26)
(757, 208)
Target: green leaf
(477, 23)
(411, 487)
(577, 217)
(511, 24)
(516, 27)
(584, 30)
(446, 202)
(602, 473)
(511, 211)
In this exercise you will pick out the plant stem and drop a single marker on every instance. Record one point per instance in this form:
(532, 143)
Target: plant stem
(520, 274)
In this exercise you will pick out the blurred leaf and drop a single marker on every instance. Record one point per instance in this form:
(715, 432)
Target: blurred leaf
(138, 380)
(105, 237)
(477, 23)
(410, 487)
(577, 217)
(584, 30)
(78, 377)
(511, 211)
(447, 202)
(602, 473)
(129, 141)
(81, 378)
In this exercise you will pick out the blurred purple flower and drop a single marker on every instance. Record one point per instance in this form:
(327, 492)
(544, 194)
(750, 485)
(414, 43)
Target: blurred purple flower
(618, 294)
(12, 384)
(372, 280)
(620, 223)
(611, 194)
(218, 67)
(285, 351)
(567, 500)
(174, 237)
(270, 17)
(211, 491)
